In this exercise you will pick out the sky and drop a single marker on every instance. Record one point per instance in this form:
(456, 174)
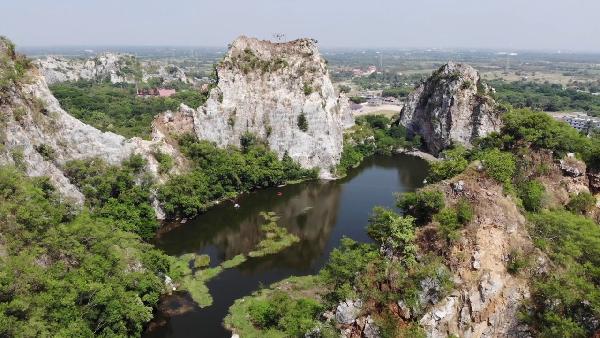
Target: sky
(551, 25)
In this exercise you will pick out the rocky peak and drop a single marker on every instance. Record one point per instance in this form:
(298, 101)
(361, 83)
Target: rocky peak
(37, 135)
(115, 67)
(452, 106)
(280, 92)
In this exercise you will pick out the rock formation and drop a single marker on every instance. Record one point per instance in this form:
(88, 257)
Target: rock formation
(38, 135)
(487, 297)
(451, 106)
(116, 68)
(281, 93)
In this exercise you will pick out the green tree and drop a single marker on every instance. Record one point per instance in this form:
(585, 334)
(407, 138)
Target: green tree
(393, 231)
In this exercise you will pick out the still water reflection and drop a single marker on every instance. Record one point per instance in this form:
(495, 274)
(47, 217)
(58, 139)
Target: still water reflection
(320, 213)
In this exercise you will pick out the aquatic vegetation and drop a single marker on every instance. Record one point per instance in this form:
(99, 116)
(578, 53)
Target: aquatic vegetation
(235, 261)
(277, 238)
(191, 272)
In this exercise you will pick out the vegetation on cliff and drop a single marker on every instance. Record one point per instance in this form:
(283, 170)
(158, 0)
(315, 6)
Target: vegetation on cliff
(223, 173)
(65, 273)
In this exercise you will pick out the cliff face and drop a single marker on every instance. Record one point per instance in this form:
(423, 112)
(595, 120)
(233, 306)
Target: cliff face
(39, 136)
(451, 106)
(280, 92)
(487, 297)
(117, 68)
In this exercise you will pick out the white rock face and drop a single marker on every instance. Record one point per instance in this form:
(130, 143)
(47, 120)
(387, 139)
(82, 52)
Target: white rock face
(452, 106)
(347, 312)
(32, 118)
(118, 68)
(263, 88)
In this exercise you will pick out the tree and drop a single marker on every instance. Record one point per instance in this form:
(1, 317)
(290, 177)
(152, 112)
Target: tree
(302, 122)
(532, 194)
(393, 231)
(422, 204)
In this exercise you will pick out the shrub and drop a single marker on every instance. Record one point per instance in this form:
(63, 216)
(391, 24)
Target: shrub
(582, 202)
(357, 99)
(454, 162)
(393, 231)
(307, 89)
(498, 165)
(464, 211)
(532, 194)
(448, 224)
(165, 161)
(344, 265)
(46, 151)
(344, 89)
(516, 261)
(302, 122)
(247, 140)
(292, 317)
(422, 204)
(567, 297)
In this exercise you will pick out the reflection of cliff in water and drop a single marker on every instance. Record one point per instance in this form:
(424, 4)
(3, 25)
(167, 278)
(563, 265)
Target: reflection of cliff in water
(307, 210)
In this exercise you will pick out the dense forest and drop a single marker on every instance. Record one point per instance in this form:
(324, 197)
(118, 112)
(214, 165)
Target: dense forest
(117, 108)
(546, 97)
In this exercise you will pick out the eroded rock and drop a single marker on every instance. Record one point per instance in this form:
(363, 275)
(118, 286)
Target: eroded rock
(451, 107)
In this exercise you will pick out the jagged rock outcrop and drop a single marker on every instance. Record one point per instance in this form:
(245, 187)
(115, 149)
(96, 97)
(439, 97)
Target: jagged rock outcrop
(451, 106)
(487, 297)
(117, 68)
(39, 136)
(281, 93)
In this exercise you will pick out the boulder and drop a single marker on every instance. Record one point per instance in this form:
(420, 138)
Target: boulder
(347, 312)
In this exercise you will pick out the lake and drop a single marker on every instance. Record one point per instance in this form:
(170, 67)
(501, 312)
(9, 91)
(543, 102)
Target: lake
(319, 212)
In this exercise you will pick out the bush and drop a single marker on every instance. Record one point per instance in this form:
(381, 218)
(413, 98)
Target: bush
(46, 151)
(454, 162)
(223, 173)
(464, 211)
(532, 194)
(69, 275)
(307, 89)
(498, 165)
(564, 300)
(393, 231)
(448, 224)
(112, 192)
(422, 204)
(357, 99)
(516, 262)
(344, 265)
(292, 317)
(581, 203)
(302, 122)
(165, 161)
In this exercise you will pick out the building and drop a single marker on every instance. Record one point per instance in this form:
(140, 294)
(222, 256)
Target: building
(161, 92)
(583, 123)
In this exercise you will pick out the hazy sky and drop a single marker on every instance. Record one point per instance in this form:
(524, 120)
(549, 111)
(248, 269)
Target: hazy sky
(504, 24)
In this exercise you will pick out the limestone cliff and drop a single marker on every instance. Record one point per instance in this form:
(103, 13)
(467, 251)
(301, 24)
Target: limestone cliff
(451, 106)
(39, 136)
(116, 68)
(280, 92)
